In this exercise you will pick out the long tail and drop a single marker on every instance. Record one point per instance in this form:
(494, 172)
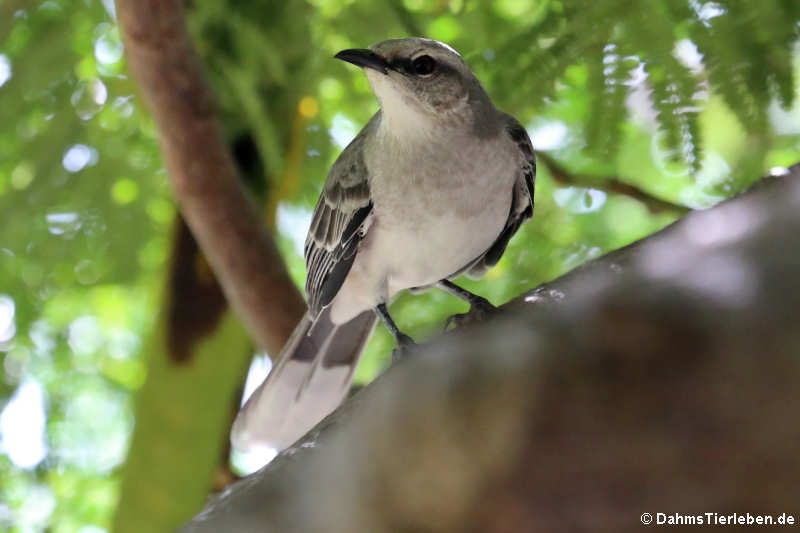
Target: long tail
(311, 378)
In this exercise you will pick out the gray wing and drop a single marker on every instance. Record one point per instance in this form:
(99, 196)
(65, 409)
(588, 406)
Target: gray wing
(340, 221)
(521, 200)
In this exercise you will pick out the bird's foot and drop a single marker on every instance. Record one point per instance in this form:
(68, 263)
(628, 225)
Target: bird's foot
(479, 310)
(405, 346)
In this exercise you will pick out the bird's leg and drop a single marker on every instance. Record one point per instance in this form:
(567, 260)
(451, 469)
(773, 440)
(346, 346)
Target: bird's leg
(404, 343)
(479, 307)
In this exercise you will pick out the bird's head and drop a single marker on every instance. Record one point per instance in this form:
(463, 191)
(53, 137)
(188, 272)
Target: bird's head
(419, 77)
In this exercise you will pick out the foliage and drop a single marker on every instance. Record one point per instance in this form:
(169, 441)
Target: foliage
(739, 50)
(686, 101)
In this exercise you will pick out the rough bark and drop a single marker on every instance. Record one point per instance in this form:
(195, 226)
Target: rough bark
(660, 378)
(212, 199)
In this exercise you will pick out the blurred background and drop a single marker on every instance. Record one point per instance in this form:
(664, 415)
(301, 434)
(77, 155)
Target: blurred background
(640, 111)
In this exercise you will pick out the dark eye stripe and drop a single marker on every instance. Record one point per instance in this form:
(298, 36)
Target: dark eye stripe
(401, 64)
(405, 65)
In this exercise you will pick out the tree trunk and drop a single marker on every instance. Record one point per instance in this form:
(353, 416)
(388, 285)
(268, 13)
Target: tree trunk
(198, 353)
(661, 378)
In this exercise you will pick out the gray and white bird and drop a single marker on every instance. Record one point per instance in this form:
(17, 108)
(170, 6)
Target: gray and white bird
(434, 186)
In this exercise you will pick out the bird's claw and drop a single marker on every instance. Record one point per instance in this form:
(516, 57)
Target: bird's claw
(405, 346)
(479, 310)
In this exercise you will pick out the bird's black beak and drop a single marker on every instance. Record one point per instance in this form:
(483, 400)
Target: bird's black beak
(364, 58)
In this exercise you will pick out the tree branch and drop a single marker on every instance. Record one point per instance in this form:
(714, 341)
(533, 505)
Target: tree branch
(660, 372)
(609, 184)
(212, 199)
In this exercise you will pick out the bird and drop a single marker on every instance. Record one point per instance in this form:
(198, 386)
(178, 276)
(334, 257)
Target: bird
(434, 186)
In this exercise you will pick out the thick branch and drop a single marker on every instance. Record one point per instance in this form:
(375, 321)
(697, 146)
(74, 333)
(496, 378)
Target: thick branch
(608, 184)
(659, 378)
(211, 197)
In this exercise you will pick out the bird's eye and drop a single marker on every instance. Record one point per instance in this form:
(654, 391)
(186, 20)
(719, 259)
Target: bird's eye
(423, 65)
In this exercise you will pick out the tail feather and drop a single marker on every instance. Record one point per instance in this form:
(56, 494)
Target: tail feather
(310, 379)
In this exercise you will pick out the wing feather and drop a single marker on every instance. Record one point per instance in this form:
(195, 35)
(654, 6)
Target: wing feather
(338, 224)
(521, 199)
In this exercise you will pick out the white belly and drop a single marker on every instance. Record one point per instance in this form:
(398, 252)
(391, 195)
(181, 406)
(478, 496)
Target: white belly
(423, 244)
